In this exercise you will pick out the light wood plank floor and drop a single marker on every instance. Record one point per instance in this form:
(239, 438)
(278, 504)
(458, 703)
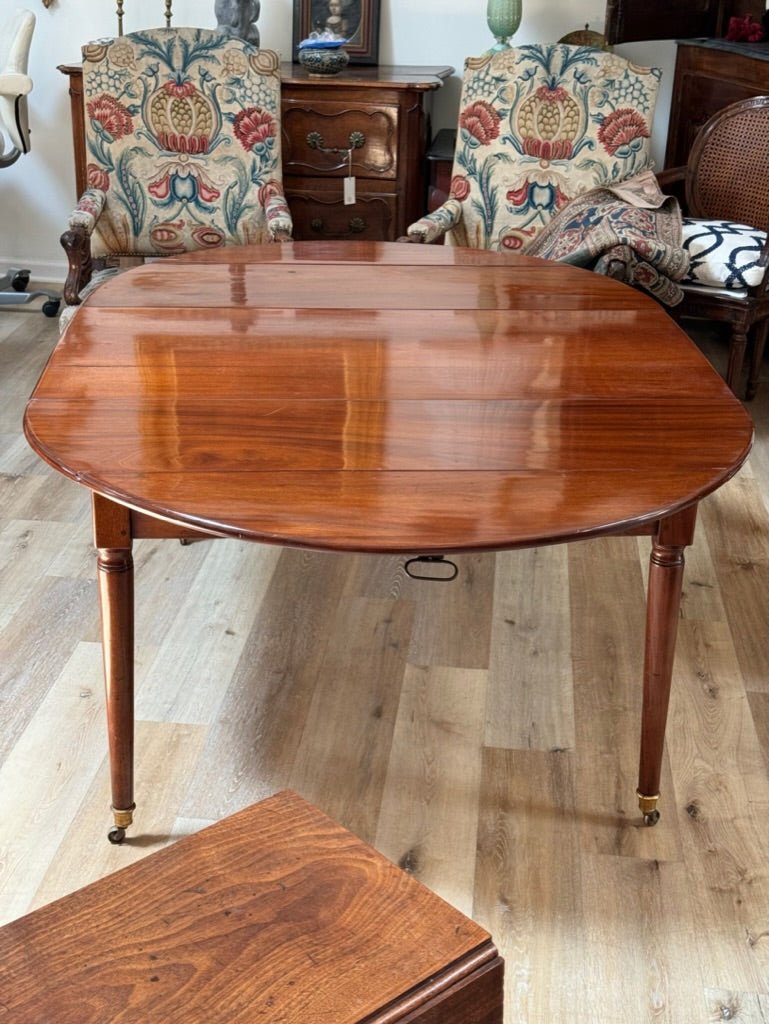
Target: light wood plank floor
(482, 734)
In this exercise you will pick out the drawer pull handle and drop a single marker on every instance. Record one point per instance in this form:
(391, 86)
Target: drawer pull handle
(356, 139)
(356, 225)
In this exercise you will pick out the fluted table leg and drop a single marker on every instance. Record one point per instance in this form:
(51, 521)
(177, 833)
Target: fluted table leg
(666, 572)
(112, 532)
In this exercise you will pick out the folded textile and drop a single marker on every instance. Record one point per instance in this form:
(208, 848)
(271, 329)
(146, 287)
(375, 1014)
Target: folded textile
(629, 231)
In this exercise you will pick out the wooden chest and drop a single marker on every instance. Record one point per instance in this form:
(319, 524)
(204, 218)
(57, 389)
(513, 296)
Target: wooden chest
(274, 914)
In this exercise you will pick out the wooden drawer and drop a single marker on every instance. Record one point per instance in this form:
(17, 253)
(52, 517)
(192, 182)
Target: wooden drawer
(370, 130)
(319, 212)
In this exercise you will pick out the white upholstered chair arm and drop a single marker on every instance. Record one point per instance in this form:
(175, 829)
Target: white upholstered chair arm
(88, 209)
(434, 225)
(278, 215)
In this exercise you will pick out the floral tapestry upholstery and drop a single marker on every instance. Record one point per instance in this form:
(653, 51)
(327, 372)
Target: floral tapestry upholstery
(538, 126)
(183, 144)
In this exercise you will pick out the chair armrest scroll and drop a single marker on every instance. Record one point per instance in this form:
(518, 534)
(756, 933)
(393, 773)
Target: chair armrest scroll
(76, 242)
(434, 226)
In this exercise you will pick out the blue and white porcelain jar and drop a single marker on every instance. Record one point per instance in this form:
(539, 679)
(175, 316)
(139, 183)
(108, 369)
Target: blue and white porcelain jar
(323, 57)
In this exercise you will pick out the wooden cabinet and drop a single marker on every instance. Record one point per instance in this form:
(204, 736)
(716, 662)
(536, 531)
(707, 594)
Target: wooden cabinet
(710, 74)
(372, 121)
(630, 21)
(368, 123)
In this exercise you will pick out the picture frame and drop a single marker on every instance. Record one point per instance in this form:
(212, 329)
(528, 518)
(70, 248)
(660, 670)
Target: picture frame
(356, 20)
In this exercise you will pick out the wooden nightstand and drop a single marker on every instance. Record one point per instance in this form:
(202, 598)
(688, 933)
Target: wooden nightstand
(380, 117)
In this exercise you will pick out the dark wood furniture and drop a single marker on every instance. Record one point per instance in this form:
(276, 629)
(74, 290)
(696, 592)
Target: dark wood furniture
(274, 914)
(383, 397)
(710, 74)
(630, 21)
(440, 160)
(371, 122)
(380, 114)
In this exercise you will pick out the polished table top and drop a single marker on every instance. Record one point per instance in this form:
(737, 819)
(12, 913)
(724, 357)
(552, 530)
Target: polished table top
(384, 397)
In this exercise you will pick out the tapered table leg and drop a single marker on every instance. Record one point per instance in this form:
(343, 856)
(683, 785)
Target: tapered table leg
(663, 607)
(112, 531)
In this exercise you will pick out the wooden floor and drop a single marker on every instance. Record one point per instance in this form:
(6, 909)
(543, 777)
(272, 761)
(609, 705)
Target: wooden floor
(483, 734)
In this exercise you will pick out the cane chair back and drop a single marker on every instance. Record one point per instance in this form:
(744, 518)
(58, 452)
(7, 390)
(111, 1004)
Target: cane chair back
(726, 182)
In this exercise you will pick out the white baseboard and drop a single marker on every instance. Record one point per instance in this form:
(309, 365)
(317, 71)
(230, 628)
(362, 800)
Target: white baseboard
(41, 271)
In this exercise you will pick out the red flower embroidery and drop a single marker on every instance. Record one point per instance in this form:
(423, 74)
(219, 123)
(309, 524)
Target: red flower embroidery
(460, 187)
(97, 178)
(481, 121)
(174, 143)
(621, 128)
(550, 94)
(180, 89)
(548, 149)
(253, 127)
(112, 116)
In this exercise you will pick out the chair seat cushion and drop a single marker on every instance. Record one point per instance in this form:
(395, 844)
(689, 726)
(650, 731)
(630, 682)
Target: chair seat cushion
(723, 254)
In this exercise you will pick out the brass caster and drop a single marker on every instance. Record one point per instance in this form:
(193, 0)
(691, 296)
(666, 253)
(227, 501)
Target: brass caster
(123, 818)
(648, 807)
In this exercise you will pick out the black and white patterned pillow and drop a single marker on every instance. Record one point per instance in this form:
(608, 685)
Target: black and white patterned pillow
(723, 254)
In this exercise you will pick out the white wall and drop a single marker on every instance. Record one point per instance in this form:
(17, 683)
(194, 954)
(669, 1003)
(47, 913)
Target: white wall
(38, 192)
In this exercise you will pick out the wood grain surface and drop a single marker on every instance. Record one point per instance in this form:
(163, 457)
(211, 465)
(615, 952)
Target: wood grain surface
(598, 918)
(383, 397)
(275, 914)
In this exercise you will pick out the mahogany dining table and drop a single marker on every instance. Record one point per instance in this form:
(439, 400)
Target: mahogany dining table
(384, 398)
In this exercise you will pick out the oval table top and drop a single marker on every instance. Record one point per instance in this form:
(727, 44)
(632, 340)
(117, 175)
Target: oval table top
(384, 397)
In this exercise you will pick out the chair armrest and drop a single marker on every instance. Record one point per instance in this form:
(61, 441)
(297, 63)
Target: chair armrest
(434, 226)
(88, 210)
(670, 176)
(76, 242)
(276, 211)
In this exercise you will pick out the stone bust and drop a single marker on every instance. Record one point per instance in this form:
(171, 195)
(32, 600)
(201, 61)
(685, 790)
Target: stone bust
(238, 18)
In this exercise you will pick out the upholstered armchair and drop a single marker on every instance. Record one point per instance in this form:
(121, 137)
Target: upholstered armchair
(539, 125)
(726, 182)
(183, 150)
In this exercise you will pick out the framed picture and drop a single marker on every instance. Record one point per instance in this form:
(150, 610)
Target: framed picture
(356, 20)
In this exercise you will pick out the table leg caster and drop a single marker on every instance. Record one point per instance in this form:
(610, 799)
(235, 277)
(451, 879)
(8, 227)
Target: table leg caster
(648, 806)
(123, 819)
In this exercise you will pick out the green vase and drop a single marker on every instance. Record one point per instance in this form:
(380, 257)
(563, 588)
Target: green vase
(503, 18)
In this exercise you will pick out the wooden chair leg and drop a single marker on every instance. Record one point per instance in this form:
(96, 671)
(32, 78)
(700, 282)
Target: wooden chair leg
(737, 345)
(759, 343)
